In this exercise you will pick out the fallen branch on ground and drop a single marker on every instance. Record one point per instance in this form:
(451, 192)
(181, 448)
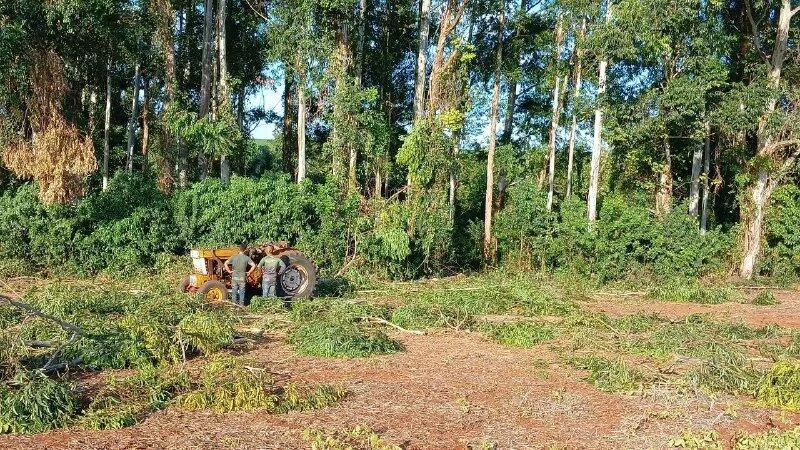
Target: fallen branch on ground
(30, 309)
(386, 322)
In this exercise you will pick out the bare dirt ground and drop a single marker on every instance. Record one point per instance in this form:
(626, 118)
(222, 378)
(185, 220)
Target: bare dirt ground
(456, 390)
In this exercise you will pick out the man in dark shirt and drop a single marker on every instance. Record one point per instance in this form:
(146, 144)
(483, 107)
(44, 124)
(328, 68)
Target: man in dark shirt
(239, 266)
(271, 267)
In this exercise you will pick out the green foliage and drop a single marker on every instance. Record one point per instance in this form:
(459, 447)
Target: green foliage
(774, 438)
(726, 369)
(691, 291)
(228, 384)
(33, 403)
(627, 241)
(123, 402)
(336, 339)
(781, 256)
(359, 437)
(692, 440)
(609, 375)
(519, 334)
(765, 298)
(267, 305)
(780, 386)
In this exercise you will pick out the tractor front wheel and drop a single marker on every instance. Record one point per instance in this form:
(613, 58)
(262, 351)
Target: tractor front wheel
(214, 291)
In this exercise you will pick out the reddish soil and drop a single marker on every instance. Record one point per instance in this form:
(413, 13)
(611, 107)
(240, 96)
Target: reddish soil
(453, 389)
(785, 314)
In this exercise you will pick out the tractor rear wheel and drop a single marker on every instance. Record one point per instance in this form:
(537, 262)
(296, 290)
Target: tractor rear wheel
(299, 279)
(214, 291)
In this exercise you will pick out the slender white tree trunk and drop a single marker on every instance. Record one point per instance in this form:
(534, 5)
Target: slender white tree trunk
(694, 186)
(706, 175)
(422, 59)
(556, 113)
(576, 94)
(107, 127)
(488, 247)
(301, 127)
(224, 163)
(597, 142)
(134, 119)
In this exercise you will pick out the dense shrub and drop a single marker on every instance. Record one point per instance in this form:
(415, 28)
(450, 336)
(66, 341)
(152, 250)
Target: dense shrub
(627, 240)
(782, 232)
(133, 225)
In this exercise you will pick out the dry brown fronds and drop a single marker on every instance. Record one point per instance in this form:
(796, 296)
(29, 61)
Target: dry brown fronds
(57, 155)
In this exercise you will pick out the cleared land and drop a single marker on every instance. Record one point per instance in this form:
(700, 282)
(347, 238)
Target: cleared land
(525, 364)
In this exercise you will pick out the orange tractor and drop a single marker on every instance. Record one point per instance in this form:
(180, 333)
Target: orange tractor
(298, 280)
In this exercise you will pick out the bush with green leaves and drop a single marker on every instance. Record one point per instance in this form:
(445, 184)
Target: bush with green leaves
(782, 234)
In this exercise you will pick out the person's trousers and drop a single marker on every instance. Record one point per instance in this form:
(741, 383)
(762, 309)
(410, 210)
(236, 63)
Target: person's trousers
(238, 289)
(268, 288)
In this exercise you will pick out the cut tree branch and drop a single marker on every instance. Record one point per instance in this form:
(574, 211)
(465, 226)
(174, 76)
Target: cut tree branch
(30, 309)
(386, 322)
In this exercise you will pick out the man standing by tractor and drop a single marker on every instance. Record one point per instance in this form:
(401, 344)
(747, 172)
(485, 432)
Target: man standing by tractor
(242, 266)
(271, 266)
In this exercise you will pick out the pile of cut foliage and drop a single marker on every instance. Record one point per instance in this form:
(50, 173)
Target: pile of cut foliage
(171, 345)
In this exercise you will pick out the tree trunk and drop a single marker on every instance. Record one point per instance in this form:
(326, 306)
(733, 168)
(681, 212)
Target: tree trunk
(208, 50)
(576, 94)
(289, 134)
(551, 146)
(224, 163)
(597, 142)
(134, 119)
(453, 179)
(508, 120)
(664, 194)
(301, 129)
(362, 35)
(694, 187)
(107, 127)
(760, 192)
(422, 60)
(145, 117)
(706, 175)
(340, 147)
(488, 247)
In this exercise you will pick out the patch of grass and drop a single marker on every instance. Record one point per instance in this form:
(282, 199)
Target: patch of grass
(727, 370)
(789, 439)
(707, 440)
(540, 303)
(691, 291)
(360, 437)
(609, 375)
(519, 334)
(267, 305)
(335, 339)
(780, 386)
(765, 298)
(417, 317)
(637, 323)
(33, 403)
(228, 384)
